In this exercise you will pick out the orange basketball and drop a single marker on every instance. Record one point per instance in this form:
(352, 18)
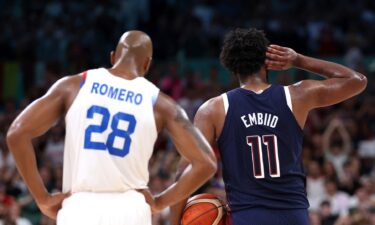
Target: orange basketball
(204, 209)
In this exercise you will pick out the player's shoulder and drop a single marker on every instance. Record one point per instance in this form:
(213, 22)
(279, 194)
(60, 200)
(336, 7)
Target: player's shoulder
(167, 110)
(213, 103)
(148, 82)
(67, 83)
(303, 89)
(212, 107)
(165, 106)
(303, 84)
(66, 89)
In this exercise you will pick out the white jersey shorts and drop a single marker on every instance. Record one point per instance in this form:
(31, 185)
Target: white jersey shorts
(129, 208)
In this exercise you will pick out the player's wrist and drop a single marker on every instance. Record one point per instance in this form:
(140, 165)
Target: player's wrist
(42, 197)
(298, 61)
(160, 203)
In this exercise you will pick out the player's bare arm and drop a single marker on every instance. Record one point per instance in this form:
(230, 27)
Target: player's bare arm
(192, 146)
(34, 121)
(341, 83)
(209, 120)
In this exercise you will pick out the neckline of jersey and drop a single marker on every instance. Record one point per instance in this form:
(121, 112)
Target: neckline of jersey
(256, 93)
(118, 77)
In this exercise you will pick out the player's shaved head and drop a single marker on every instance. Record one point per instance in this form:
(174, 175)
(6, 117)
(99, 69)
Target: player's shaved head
(135, 43)
(134, 49)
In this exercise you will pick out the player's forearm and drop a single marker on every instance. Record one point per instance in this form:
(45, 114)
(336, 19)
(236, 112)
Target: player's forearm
(325, 68)
(192, 178)
(23, 152)
(176, 212)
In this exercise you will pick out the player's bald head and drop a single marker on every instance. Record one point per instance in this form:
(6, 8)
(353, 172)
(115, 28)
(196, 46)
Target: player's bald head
(135, 38)
(134, 44)
(134, 47)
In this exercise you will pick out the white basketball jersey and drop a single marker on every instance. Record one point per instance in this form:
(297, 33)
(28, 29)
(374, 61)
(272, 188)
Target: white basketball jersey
(110, 134)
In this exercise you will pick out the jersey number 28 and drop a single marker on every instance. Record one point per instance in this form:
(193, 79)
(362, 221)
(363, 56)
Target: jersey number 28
(255, 142)
(115, 131)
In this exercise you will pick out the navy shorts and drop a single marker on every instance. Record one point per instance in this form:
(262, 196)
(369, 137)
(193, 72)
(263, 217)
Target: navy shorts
(264, 216)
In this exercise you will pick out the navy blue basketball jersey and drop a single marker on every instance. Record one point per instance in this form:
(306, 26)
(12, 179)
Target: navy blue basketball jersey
(260, 147)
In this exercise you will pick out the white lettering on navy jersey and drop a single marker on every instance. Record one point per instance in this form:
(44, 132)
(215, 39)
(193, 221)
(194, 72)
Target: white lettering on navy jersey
(265, 119)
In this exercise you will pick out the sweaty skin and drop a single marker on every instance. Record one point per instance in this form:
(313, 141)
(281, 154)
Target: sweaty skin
(340, 84)
(131, 59)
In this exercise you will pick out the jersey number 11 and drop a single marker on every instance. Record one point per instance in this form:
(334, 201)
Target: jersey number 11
(257, 155)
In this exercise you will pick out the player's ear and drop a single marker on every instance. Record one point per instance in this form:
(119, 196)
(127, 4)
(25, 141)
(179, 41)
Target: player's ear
(112, 58)
(147, 64)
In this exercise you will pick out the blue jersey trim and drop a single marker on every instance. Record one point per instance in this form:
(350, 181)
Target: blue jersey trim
(84, 75)
(154, 98)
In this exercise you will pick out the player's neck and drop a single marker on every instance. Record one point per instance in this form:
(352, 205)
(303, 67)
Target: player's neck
(125, 71)
(255, 82)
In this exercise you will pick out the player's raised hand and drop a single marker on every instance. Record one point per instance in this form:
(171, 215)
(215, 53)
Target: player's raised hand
(280, 58)
(52, 204)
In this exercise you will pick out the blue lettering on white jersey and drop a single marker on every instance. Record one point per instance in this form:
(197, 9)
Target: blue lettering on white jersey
(116, 93)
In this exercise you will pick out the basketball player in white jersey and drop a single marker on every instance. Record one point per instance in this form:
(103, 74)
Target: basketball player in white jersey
(112, 117)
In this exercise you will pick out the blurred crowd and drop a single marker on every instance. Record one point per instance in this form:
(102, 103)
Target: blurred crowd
(66, 37)
(80, 33)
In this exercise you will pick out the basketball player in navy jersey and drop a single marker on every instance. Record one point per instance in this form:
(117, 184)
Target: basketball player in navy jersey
(112, 120)
(258, 127)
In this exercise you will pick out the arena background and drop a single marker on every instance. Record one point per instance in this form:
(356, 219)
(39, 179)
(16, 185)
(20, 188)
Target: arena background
(41, 41)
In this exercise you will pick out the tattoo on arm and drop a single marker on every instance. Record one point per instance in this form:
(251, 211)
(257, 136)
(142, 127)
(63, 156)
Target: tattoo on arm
(182, 118)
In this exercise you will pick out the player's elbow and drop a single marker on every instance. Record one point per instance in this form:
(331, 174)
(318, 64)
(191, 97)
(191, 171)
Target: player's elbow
(209, 168)
(358, 82)
(11, 136)
(362, 81)
(212, 167)
(14, 135)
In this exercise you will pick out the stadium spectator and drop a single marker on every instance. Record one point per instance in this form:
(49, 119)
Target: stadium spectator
(327, 217)
(315, 185)
(338, 200)
(14, 216)
(337, 149)
(361, 200)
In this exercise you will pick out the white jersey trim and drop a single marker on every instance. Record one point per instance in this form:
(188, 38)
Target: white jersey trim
(288, 98)
(225, 101)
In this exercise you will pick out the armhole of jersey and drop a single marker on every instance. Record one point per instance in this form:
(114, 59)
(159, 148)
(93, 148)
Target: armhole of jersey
(84, 75)
(155, 97)
(226, 103)
(288, 98)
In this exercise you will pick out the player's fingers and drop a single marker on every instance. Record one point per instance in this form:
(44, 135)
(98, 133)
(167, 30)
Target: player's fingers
(274, 65)
(275, 57)
(149, 199)
(275, 51)
(50, 213)
(53, 215)
(57, 198)
(274, 62)
(279, 48)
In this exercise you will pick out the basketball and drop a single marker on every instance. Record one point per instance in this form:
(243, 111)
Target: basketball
(204, 209)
